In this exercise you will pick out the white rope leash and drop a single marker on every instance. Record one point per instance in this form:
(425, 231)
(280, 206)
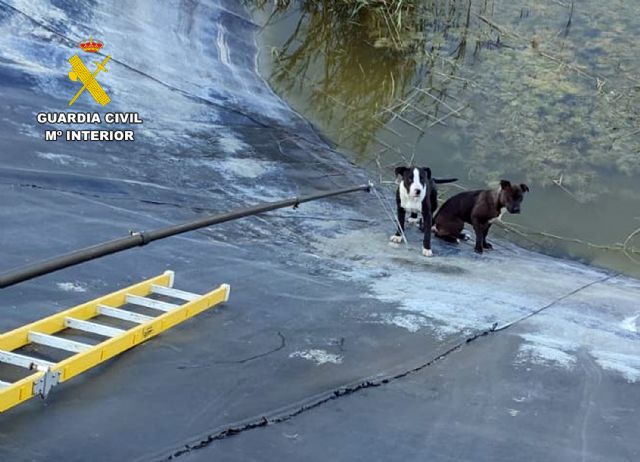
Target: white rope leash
(389, 212)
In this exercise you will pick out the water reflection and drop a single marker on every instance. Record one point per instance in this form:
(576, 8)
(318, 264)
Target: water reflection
(348, 81)
(483, 89)
(358, 67)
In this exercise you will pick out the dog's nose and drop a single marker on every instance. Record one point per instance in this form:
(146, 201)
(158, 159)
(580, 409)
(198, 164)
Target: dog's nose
(418, 191)
(516, 210)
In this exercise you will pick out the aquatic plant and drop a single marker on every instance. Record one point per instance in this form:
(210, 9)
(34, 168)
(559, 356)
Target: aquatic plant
(390, 22)
(333, 33)
(553, 107)
(548, 92)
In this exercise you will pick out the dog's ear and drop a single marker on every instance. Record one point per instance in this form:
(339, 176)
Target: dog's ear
(427, 171)
(504, 184)
(400, 170)
(524, 187)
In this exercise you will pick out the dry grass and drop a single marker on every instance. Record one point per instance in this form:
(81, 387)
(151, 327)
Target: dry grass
(390, 21)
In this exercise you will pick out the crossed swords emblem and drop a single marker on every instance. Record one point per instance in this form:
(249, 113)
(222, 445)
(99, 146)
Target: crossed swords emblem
(89, 82)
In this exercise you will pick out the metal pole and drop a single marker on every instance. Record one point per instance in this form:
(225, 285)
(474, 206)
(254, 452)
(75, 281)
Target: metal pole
(143, 238)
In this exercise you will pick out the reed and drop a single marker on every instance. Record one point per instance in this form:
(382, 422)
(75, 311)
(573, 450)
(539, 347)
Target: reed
(391, 22)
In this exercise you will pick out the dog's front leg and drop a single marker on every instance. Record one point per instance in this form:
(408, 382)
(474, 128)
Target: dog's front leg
(398, 236)
(426, 227)
(479, 229)
(485, 244)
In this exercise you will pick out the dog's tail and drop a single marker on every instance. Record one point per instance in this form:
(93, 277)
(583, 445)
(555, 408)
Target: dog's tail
(444, 180)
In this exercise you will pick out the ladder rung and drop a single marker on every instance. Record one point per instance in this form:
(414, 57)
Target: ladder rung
(92, 327)
(121, 326)
(123, 314)
(57, 342)
(27, 362)
(175, 293)
(150, 303)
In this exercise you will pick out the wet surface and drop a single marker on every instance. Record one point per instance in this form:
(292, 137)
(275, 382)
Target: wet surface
(322, 311)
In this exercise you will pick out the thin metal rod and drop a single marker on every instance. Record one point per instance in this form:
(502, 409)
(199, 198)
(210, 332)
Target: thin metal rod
(143, 238)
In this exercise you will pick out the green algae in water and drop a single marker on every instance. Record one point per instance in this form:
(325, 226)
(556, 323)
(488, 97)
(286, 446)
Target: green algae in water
(541, 94)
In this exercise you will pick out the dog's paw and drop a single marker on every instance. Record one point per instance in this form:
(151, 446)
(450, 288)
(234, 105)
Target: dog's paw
(427, 252)
(396, 239)
(478, 250)
(413, 220)
(487, 246)
(464, 236)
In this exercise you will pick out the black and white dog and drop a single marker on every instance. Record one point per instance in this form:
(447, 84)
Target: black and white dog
(416, 194)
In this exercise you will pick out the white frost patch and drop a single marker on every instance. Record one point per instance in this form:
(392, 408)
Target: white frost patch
(223, 49)
(457, 293)
(71, 287)
(544, 349)
(318, 356)
(231, 144)
(544, 355)
(63, 159)
(49, 14)
(630, 324)
(513, 412)
(561, 342)
(410, 322)
(588, 321)
(628, 365)
(59, 158)
(247, 168)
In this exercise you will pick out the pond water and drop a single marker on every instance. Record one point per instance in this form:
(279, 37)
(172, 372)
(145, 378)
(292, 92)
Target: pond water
(542, 92)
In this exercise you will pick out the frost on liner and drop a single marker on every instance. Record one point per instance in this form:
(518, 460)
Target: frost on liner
(454, 296)
(318, 356)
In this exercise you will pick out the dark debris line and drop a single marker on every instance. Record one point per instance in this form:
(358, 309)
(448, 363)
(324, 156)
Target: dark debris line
(263, 421)
(283, 344)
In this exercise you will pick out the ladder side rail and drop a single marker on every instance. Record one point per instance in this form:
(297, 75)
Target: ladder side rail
(50, 325)
(103, 351)
(26, 388)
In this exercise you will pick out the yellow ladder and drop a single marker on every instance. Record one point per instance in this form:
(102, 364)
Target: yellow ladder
(133, 329)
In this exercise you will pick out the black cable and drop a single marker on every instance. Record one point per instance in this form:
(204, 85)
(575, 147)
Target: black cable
(139, 239)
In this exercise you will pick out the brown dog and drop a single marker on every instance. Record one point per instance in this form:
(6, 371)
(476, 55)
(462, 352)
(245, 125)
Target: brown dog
(479, 209)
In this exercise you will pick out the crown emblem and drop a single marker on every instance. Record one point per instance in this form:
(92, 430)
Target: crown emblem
(91, 46)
